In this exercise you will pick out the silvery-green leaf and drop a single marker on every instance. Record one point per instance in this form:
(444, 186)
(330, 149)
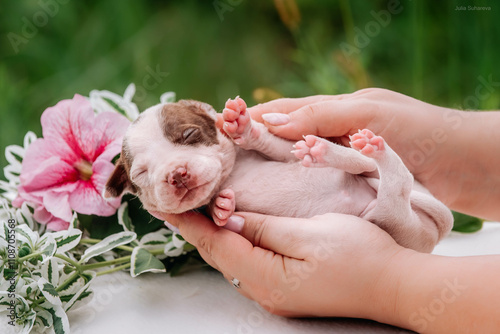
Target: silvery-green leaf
(72, 286)
(108, 244)
(67, 240)
(24, 214)
(29, 138)
(74, 221)
(50, 271)
(44, 317)
(143, 261)
(48, 248)
(59, 318)
(178, 241)
(123, 217)
(154, 239)
(25, 234)
(49, 291)
(29, 321)
(104, 100)
(168, 97)
(76, 297)
(172, 251)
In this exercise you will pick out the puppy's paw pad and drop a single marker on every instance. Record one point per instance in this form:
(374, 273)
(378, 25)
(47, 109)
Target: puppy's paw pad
(312, 151)
(367, 143)
(237, 121)
(224, 207)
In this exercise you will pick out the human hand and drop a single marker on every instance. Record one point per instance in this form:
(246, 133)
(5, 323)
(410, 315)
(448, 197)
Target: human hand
(421, 133)
(329, 265)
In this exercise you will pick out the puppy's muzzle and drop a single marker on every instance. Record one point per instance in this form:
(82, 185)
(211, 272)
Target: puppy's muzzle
(178, 178)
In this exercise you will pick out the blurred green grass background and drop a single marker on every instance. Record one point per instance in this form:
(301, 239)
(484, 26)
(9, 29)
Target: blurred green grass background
(213, 50)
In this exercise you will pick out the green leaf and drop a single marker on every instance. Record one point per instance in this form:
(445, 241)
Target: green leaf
(59, 318)
(25, 234)
(29, 321)
(79, 295)
(67, 240)
(108, 244)
(44, 317)
(123, 217)
(49, 291)
(50, 271)
(49, 247)
(143, 261)
(465, 223)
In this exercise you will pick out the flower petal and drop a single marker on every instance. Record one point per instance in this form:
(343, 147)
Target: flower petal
(42, 169)
(71, 122)
(87, 200)
(109, 131)
(57, 203)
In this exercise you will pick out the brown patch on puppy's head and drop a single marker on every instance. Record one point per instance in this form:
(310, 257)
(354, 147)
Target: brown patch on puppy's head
(188, 122)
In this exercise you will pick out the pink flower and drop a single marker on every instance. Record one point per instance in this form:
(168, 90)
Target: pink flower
(67, 169)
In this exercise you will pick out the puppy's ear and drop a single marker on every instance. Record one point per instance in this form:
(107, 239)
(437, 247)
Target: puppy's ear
(118, 182)
(207, 108)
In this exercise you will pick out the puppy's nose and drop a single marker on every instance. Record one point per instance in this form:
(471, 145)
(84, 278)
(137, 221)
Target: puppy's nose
(178, 177)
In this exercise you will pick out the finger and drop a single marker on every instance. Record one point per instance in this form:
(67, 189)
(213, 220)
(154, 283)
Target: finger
(282, 235)
(229, 252)
(287, 105)
(331, 118)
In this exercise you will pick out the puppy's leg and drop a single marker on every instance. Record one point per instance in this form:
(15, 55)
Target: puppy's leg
(251, 135)
(318, 152)
(392, 210)
(223, 206)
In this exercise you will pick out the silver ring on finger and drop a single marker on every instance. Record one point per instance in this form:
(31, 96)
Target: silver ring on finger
(236, 283)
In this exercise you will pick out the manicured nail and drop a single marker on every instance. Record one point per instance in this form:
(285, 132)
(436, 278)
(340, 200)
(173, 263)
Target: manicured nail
(276, 118)
(171, 227)
(235, 223)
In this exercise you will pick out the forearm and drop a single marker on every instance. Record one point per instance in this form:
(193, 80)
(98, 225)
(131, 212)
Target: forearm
(474, 172)
(435, 294)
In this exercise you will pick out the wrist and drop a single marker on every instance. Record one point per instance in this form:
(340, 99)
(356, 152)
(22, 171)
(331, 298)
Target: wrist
(394, 294)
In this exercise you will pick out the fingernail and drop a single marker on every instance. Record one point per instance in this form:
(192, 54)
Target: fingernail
(235, 223)
(276, 118)
(172, 227)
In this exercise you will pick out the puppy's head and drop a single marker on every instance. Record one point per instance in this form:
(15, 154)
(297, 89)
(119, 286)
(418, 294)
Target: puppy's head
(173, 157)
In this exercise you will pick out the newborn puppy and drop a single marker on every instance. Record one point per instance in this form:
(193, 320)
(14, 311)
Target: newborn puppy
(175, 159)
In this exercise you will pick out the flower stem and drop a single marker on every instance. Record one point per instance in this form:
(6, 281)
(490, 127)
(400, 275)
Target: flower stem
(27, 257)
(67, 259)
(104, 272)
(106, 263)
(95, 241)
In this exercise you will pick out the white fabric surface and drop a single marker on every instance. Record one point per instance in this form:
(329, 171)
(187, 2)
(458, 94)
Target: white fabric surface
(204, 302)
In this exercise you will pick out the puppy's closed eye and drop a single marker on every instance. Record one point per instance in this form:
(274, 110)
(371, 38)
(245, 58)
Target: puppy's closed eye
(138, 174)
(191, 135)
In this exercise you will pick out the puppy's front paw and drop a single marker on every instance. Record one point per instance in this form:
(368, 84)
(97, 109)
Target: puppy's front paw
(223, 206)
(367, 143)
(312, 151)
(237, 121)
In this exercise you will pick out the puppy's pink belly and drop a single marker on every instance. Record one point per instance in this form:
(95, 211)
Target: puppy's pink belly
(293, 190)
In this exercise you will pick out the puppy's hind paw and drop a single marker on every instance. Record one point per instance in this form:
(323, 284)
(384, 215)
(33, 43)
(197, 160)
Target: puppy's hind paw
(312, 151)
(367, 143)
